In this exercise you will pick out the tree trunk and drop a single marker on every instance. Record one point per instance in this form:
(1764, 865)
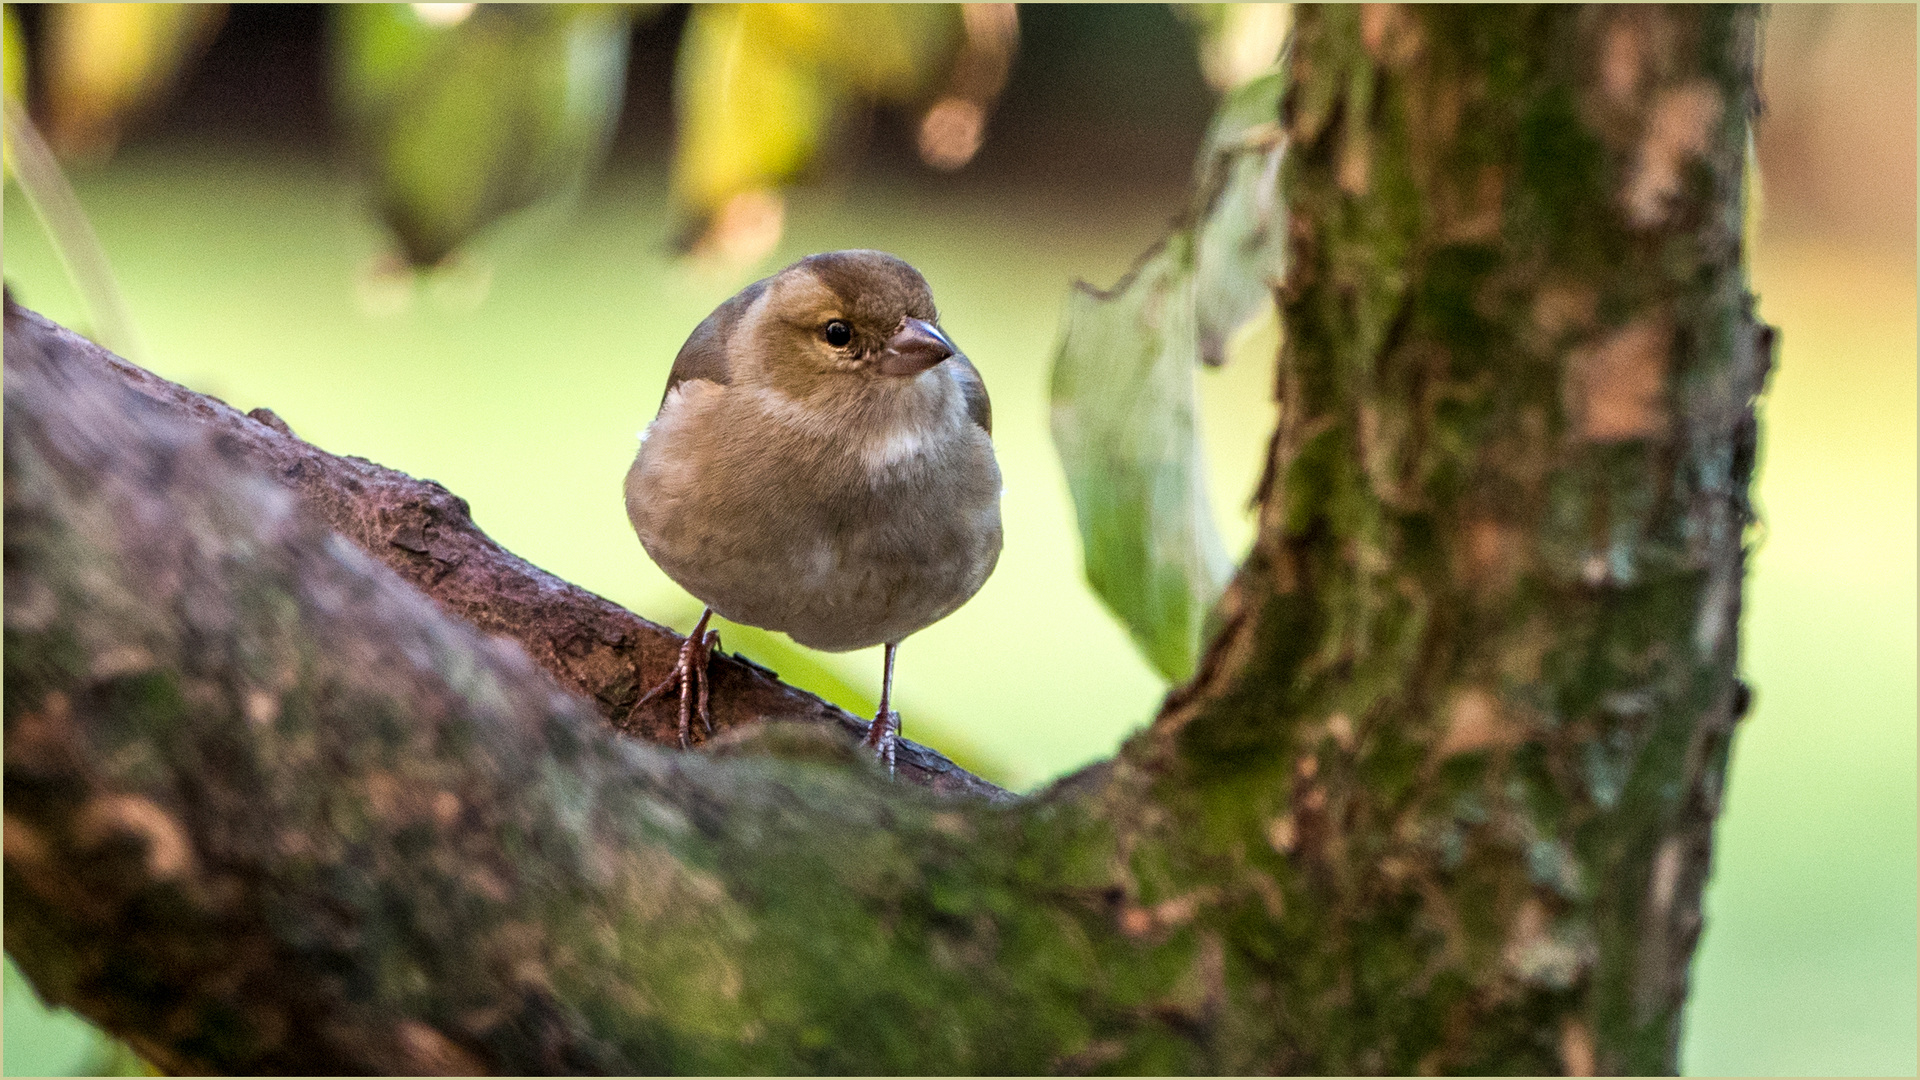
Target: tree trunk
(1439, 800)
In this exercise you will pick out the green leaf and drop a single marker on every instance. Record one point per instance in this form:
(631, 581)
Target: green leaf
(462, 125)
(1124, 413)
(1241, 240)
(1124, 422)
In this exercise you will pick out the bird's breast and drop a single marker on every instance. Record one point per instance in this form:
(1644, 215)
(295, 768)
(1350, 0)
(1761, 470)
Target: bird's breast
(842, 535)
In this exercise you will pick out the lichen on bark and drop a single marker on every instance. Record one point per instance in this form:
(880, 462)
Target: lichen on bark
(1483, 658)
(1438, 800)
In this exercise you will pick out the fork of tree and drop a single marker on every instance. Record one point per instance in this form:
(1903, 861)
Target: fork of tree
(305, 774)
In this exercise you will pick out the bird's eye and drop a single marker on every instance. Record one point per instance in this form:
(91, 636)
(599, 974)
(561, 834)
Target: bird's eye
(837, 333)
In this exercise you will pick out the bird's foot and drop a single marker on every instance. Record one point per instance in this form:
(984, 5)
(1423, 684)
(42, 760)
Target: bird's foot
(689, 675)
(883, 737)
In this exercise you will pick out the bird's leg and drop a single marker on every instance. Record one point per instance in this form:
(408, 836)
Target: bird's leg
(690, 675)
(885, 732)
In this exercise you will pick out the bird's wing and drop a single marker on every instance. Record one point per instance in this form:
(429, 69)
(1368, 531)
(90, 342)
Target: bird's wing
(975, 389)
(704, 356)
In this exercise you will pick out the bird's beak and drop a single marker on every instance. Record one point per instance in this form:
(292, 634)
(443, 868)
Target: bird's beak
(917, 346)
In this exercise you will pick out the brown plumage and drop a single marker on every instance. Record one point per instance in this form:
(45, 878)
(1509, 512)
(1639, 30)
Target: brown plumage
(821, 465)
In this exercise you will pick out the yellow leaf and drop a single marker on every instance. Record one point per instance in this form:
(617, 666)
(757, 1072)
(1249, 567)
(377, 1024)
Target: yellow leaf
(751, 109)
(757, 86)
(890, 51)
(107, 61)
(16, 73)
(16, 58)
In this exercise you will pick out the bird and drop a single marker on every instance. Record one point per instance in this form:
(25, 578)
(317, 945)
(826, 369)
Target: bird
(821, 465)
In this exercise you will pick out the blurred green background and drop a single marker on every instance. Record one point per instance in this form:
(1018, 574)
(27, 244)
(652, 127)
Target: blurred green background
(520, 378)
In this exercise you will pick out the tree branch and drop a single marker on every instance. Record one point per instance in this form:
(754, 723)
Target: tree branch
(1478, 674)
(424, 533)
(1439, 800)
(269, 809)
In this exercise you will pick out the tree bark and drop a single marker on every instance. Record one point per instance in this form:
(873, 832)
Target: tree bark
(1489, 625)
(1439, 800)
(425, 534)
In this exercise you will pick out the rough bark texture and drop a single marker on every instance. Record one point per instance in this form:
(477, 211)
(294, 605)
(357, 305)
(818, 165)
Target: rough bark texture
(1439, 800)
(1479, 673)
(425, 533)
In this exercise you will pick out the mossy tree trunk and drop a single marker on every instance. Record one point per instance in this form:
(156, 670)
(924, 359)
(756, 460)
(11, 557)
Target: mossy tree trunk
(1479, 674)
(1440, 799)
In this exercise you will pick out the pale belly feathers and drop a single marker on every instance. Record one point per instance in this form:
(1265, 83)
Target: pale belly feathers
(838, 548)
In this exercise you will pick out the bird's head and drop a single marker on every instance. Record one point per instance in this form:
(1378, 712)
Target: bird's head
(860, 313)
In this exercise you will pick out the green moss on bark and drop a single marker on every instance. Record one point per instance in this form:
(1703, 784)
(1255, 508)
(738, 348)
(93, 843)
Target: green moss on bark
(1439, 800)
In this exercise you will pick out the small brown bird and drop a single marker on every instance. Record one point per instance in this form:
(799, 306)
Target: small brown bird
(821, 465)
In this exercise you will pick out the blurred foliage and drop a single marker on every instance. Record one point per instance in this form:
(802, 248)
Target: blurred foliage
(758, 89)
(126, 73)
(467, 114)
(1241, 238)
(16, 71)
(71, 234)
(952, 128)
(16, 57)
(1124, 414)
(1238, 42)
(104, 63)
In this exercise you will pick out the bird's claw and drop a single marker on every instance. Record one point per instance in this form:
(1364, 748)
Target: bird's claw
(883, 737)
(689, 674)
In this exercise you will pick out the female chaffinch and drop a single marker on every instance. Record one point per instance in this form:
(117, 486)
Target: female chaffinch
(821, 466)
